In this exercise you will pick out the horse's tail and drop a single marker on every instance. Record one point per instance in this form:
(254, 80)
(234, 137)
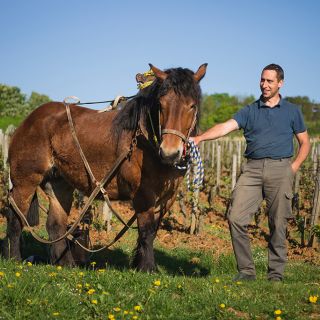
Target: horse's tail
(33, 213)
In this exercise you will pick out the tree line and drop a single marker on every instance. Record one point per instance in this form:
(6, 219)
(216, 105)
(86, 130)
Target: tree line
(214, 108)
(14, 103)
(219, 107)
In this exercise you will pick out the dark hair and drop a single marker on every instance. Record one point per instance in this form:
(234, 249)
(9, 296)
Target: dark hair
(179, 79)
(277, 69)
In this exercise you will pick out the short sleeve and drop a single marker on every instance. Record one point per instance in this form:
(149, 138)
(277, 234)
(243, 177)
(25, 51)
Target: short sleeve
(242, 117)
(298, 122)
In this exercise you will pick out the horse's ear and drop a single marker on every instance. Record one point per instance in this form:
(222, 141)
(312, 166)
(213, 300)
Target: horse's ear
(158, 73)
(201, 72)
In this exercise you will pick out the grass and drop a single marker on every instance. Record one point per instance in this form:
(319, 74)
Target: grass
(189, 285)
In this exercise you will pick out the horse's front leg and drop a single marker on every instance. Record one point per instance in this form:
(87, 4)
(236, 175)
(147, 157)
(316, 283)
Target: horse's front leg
(144, 256)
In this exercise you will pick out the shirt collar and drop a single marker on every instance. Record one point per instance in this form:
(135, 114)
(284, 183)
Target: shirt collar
(261, 104)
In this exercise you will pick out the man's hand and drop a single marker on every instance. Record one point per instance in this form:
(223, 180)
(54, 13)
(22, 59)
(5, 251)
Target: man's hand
(295, 167)
(196, 140)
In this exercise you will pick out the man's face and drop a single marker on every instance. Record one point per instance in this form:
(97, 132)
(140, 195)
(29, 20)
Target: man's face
(269, 84)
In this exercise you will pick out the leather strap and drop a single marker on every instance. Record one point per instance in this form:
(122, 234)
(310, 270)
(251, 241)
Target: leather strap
(175, 132)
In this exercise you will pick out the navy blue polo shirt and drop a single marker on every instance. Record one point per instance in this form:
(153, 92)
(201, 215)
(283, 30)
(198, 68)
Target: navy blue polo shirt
(269, 131)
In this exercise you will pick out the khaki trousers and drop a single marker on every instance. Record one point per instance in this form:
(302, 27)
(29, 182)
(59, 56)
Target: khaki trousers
(271, 180)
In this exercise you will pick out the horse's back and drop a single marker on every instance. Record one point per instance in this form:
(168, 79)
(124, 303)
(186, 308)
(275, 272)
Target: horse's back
(51, 119)
(46, 132)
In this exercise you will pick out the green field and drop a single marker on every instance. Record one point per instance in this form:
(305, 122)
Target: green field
(188, 285)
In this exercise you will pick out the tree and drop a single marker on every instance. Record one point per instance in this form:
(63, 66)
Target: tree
(310, 110)
(220, 107)
(34, 101)
(12, 101)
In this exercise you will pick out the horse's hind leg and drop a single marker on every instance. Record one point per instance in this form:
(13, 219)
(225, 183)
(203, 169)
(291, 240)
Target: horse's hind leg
(60, 195)
(24, 196)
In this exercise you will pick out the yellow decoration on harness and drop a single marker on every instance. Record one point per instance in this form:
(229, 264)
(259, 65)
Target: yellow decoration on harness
(145, 80)
(144, 85)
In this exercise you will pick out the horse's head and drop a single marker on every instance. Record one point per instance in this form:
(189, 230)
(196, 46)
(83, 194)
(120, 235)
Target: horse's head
(179, 98)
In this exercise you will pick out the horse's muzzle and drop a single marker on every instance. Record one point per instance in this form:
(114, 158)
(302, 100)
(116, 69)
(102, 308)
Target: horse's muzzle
(170, 156)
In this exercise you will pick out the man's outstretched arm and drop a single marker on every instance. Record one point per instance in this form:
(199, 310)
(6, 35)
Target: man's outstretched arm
(217, 131)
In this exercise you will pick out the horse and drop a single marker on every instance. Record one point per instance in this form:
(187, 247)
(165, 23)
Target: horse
(43, 154)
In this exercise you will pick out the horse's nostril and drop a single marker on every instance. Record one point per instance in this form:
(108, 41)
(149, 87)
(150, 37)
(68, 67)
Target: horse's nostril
(169, 157)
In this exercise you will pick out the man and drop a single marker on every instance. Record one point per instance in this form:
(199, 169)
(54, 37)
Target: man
(269, 125)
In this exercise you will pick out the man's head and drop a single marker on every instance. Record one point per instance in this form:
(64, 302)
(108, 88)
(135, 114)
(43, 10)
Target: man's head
(272, 77)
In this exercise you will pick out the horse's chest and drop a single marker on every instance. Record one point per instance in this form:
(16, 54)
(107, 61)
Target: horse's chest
(148, 175)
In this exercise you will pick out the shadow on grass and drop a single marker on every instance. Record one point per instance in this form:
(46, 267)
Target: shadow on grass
(117, 259)
(32, 247)
(167, 263)
(173, 263)
(181, 265)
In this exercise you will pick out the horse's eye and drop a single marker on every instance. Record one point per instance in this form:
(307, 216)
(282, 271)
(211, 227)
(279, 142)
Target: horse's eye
(194, 106)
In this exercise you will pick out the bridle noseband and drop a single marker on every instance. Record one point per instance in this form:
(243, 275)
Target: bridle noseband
(178, 133)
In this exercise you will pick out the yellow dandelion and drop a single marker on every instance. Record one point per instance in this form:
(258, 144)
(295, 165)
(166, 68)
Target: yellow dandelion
(52, 274)
(216, 280)
(125, 312)
(91, 291)
(1, 274)
(29, 264)
(137, 308)
(179, 286)
(93, 263)
(81, 274)
(10, 286)
(111, 316)
(94, 301)
(87, 285)
(157, 283)
(135, 317)
(313, 299)
(277, 312)
(101, 270)
(238, 282)
(79, 285)
(59, 268)
(55, 314)
(278, 318)
(18, 274)
(116, 309)
(222, 305)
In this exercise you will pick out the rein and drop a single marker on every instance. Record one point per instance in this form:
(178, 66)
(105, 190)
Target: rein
(95, 102)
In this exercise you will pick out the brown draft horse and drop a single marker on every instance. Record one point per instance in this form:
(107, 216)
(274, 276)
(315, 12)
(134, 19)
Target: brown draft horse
(43, 154)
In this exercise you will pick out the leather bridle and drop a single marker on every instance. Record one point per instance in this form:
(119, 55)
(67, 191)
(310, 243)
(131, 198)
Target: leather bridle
(175, 132)
(179, 133)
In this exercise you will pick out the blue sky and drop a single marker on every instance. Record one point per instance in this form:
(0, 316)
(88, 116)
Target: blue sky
(93, 49)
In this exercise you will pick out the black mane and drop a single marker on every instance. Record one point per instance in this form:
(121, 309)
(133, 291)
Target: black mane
(179, 79)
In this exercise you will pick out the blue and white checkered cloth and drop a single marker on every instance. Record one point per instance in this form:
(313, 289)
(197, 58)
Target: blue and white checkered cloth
(194, 168)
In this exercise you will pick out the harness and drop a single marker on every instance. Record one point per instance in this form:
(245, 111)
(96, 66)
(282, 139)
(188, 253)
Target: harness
(100, 185)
